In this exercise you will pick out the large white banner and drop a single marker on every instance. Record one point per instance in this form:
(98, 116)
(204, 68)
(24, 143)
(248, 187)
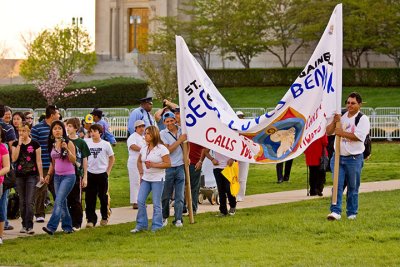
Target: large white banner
(284, 133)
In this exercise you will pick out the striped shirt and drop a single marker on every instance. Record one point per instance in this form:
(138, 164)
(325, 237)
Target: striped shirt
(40, 133)
(9, 132)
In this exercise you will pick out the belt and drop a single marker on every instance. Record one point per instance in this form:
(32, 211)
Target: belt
(350, 156)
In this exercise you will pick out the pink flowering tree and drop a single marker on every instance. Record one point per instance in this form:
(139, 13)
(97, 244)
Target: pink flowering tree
(53, 88)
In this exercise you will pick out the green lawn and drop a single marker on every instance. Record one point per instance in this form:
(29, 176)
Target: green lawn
(294, 234)
(383, 165)
(265, 97)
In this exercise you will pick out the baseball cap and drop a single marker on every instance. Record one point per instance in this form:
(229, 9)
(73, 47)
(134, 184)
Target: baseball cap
(138, 123)
(168, 114)
(89, 118)
(239, 113)
(97, 112)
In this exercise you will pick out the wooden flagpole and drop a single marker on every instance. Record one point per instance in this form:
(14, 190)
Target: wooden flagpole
(188, 191)
(336, 167)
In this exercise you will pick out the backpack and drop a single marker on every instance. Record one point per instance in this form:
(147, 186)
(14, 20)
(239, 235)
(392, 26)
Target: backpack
(367, 142)
(13, 211)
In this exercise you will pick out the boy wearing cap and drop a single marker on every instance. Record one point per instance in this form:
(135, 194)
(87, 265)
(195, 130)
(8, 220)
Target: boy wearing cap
(141, 113)
(98, 119)
(135, 142)
(167, 106)
(173, 138)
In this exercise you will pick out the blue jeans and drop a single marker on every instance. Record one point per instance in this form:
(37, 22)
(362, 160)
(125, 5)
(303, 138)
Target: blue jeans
(350, 175)
(63, 185)
(174, 179)
(141, 219)
(3, 206)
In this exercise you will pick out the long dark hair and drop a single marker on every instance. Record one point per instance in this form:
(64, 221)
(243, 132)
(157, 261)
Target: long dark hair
(2, 135)
(51, 140)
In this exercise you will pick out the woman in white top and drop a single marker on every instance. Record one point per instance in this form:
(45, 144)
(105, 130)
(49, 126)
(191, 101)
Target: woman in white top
(135, 142)
(152, 162)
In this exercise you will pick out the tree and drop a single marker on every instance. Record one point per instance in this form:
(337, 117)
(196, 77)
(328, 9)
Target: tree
(4, 67)
(162, 76)
(69, 50)
(244, 29)
(360, 31)
(389, 31)
(53, 87)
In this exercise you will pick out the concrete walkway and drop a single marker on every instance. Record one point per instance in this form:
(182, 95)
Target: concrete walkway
(127, 214)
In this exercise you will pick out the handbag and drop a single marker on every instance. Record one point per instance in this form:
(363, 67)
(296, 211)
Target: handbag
(323, 161)
(10, 180)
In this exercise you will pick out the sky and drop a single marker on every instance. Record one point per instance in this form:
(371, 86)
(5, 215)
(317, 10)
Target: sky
(32, 16)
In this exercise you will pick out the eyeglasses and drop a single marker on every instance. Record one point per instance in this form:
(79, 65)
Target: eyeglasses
(351, 103)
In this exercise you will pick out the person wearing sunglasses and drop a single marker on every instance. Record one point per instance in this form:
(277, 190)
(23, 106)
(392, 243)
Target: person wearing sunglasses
(29, 117)
(351, 162)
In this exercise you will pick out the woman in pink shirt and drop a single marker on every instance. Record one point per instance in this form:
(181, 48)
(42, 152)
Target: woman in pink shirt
(4, 168)
(63, 158)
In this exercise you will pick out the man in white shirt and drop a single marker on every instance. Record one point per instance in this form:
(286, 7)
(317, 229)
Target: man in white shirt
(352, 147)
(135, 142)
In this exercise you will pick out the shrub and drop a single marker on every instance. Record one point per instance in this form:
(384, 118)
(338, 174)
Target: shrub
(110, 93)
(285, 77)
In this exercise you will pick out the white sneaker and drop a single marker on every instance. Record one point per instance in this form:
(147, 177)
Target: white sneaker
(76, 229)
(178, 223)
(23, 230)
(40, 219)
(352, 217)
(30, 231)
(333, 216)
(89, 225)
(164, 222)
(135, 230)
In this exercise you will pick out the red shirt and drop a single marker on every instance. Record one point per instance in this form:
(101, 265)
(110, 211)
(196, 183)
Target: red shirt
(194, 152)
(314, 151)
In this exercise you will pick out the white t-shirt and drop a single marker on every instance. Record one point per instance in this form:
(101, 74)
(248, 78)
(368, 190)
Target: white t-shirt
(135, 139)
(99, 155)
(349, 147)
(222, 161)
(154, 155)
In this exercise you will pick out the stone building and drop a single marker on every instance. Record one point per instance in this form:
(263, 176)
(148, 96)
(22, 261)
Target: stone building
(119, 21)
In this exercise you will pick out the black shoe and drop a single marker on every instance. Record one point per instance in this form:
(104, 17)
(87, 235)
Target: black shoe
(47, 230)
(320, 194)
(8, 227)
(286, 179)
(280, 181)
(232, 211)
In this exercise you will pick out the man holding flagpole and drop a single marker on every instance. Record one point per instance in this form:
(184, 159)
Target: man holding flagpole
(353, 134)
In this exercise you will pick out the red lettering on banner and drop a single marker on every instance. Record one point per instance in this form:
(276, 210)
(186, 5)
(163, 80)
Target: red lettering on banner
(220, 140)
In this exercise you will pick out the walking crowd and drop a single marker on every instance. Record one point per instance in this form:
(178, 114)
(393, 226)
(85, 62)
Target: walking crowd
(63, 158)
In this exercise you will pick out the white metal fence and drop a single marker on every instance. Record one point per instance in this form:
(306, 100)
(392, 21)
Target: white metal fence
(385, 121)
